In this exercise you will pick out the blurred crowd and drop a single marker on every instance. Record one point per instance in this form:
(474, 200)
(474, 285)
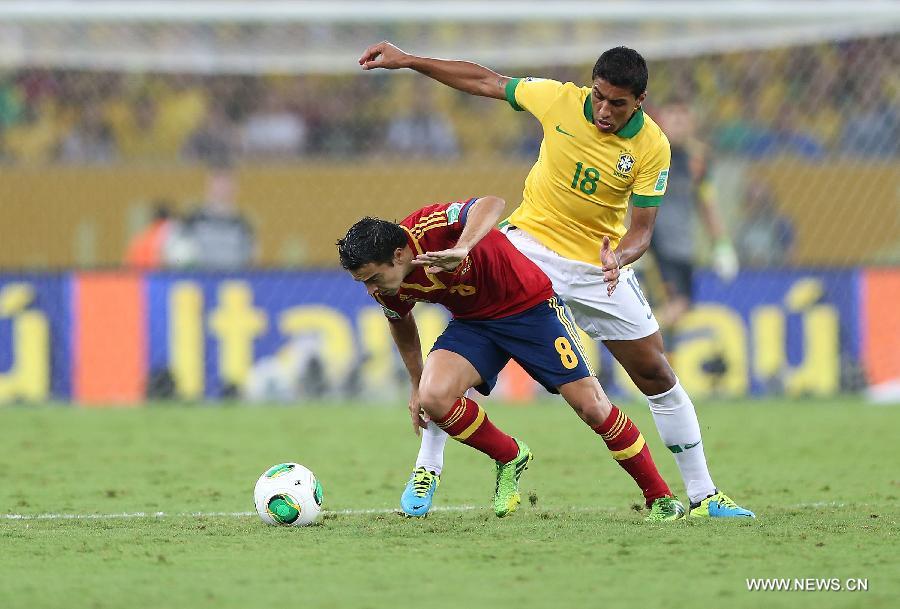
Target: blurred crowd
(805, 101)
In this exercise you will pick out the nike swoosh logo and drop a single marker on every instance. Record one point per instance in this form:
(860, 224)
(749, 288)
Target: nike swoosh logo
(564, 132)
(687, 446)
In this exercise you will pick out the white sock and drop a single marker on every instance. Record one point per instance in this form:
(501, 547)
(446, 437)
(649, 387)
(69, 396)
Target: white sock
(434, 439)
(431, 452)
(676, 420)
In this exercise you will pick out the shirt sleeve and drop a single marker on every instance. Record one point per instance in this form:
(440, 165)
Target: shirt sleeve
(394, 308)
(458, 213)
(653, 177)
(532, 94)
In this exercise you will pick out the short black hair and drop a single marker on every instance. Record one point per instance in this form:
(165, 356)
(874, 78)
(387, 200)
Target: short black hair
(622, 67)
(370, 240)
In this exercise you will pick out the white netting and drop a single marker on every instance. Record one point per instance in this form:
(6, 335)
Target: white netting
(323, 37)
(108, 109)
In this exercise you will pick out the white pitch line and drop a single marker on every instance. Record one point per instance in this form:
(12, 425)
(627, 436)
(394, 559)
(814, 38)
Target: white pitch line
(347, 512)
(137, 515)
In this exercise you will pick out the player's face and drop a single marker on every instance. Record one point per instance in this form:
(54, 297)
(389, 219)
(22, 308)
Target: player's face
(613, 106)
(380, 278)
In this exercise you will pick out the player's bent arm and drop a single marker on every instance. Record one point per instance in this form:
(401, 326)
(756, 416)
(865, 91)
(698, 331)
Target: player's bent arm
(637, 239)
(482, 216)
(406, 336)
(462, 75)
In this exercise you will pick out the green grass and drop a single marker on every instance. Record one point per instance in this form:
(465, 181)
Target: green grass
(821, 476)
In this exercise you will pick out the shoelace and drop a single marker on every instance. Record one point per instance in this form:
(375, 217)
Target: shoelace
(727, 502)
(421, 482)
(661, 505)
(517, 473)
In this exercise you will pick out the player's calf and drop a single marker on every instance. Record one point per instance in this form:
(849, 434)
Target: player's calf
(628, 448)
(467, 422)
(588, 400)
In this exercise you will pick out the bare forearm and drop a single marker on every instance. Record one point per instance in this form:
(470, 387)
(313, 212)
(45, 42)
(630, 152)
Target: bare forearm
(482, 217)
(461, 75)
(637, 239)
(715, 227)
(406, 336)
(632, 246)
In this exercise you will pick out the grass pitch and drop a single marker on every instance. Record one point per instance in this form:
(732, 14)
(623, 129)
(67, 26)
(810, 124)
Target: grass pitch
(822, 478)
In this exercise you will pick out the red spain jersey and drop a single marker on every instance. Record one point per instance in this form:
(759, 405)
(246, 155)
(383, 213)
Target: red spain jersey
(495, 280)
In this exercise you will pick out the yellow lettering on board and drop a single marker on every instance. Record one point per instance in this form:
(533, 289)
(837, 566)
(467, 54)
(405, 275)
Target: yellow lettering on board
(236, 324)
(431, 321)
(819, 372)
(186, 344)
(377, 347)
(769, 331)
(336, 336)
(724, 337)
(29, 375)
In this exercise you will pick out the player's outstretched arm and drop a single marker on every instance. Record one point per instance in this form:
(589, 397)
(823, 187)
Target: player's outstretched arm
(462, 75)
(406, 336)
(482, 217)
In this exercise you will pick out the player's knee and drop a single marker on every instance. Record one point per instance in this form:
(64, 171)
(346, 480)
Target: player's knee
(589, 401)
(593, 412)
(435, 399)
(657, 371)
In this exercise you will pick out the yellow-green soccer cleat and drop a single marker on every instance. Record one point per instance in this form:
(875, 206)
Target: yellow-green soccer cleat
(665, 509)
(719, 505)
(506, 492)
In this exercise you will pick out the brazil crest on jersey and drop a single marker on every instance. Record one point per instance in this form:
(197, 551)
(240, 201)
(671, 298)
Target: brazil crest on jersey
(495, 280)
(579, 188)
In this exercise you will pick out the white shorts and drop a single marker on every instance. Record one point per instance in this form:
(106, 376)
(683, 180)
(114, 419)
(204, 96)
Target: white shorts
(625, 315)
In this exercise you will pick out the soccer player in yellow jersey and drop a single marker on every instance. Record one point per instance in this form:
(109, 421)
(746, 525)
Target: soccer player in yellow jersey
(600, 152)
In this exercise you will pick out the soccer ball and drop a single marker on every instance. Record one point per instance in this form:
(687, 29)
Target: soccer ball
(288, 495)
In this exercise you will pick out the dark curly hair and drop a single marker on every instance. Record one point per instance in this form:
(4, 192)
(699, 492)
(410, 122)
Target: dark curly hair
(370, 240)
(622, 67)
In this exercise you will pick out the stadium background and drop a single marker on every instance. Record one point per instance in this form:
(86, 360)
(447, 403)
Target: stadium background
(105, 113)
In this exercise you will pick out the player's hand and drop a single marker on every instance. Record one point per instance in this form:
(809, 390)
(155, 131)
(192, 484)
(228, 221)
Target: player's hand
(419, 418)
(444, 260)
(383, 55)
(725, 261)
(610, 261)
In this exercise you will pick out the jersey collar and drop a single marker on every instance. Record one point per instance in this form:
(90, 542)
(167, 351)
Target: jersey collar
(631, 128)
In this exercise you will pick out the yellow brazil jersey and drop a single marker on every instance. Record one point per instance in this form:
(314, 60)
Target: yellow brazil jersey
(579, 188)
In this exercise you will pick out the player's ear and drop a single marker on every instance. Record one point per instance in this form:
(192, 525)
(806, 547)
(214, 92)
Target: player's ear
(398, 256)
(641, 99)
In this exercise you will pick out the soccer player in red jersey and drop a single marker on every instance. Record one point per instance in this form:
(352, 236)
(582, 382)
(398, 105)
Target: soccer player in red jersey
(601, 155)
(503, 308)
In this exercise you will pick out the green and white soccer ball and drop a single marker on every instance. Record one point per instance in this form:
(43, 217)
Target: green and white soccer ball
(288, 495)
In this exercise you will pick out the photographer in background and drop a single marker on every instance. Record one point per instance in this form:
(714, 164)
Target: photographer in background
(689, 194)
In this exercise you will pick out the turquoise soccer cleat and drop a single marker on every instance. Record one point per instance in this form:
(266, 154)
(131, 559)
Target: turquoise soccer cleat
(719, 505)
(419, 492)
